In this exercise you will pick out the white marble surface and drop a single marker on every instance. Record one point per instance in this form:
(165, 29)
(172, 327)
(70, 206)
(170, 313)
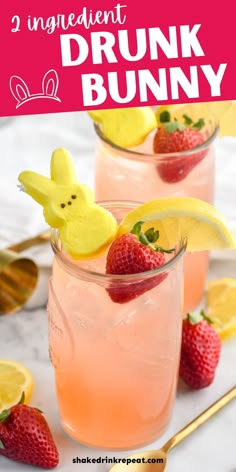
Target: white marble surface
(24, 337)
(27, 142)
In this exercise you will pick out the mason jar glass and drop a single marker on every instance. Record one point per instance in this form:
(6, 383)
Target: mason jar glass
(140, 175)
(116, 364)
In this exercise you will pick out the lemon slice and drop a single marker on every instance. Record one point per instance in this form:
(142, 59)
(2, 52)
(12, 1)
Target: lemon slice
(183, 217)
(126, 127)
(14, 380)
(228, 121)
(221, 305)
(223, 112)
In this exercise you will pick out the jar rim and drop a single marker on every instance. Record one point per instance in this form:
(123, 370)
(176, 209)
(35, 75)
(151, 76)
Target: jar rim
(75, 270)
(128, 153)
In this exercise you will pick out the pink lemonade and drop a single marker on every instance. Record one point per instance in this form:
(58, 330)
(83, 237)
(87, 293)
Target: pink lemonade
(132, 175)
(116, 365)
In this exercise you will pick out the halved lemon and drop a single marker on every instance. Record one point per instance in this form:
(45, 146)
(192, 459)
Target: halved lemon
(183, 218)
(221, 305)
(224, 113)
(126, 127)
(14, 380)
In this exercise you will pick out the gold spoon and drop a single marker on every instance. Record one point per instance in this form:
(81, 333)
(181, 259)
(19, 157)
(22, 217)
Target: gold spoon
(161, 455)
(30, 242)
(18, 275)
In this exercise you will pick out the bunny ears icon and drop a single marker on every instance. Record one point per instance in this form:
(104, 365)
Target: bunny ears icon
(21, 92)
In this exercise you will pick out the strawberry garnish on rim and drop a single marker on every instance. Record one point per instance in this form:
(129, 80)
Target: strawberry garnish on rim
(133, 253)
(175, 137)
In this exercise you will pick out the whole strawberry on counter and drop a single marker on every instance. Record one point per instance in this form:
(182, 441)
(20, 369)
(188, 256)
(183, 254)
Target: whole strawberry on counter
(25, 437)
(200, 352)
(133, 253)
(175, 137)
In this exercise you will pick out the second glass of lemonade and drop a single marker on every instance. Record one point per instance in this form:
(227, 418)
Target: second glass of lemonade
(137, 175)
(116, 364)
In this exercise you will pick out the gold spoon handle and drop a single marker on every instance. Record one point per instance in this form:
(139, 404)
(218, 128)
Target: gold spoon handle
(187, 430)
(27, 243)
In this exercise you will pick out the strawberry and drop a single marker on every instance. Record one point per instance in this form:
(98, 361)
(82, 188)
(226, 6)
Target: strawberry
(200, 351)
(26, 437)
(132, 253)
(175, 137)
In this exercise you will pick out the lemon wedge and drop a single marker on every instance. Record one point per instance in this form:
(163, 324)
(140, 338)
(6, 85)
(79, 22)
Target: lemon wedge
(223, 112)
(221, 305)
(126, 127)
(14, 380)
(183, 218)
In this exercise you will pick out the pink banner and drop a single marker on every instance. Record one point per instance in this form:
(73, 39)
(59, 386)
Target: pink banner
(68, 56)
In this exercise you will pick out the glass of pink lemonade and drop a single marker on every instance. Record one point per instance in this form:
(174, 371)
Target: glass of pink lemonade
(139, 174)
(116, 364)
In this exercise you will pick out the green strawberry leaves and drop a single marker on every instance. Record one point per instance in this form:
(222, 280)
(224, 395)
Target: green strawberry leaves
(149, 238)
(195, 318)
(165, 117)
(199, 124)
(175, 125)
(4, 415)
(1, 445)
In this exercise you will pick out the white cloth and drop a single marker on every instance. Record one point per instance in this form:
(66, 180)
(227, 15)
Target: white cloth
(27, 143)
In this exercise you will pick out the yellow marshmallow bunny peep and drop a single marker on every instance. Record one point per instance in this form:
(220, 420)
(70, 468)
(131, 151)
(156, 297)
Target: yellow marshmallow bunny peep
(85, 228)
